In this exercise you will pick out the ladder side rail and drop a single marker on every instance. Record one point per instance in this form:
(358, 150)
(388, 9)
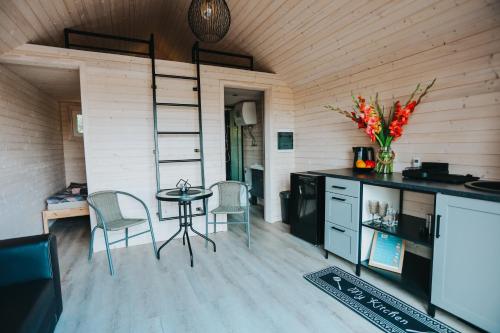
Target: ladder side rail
(200, 123)
(200, 119)
(155, 119)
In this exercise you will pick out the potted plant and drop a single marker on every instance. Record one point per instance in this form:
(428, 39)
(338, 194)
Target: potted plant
(381, 127)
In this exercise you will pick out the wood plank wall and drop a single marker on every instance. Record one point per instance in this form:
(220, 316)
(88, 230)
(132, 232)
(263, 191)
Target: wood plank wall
(458, 122)
(118, 124)
(31, 155)
(74, 155)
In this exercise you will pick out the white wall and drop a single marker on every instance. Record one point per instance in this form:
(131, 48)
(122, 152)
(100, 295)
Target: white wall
(457, 122)
(118, 124)
(31, 155)
(74, 155)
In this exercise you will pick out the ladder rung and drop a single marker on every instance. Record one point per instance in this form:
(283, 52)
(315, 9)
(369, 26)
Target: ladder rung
(178, 104)
(180, 161)
(186, 133)
(177, 77)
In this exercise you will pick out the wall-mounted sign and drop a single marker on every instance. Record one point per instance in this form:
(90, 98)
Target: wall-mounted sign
(285, 140)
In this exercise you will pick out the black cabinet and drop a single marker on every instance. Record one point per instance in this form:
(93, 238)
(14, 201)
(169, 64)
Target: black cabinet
(307, 207)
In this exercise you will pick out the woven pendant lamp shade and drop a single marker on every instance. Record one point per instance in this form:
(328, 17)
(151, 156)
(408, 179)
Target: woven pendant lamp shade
(209, 20)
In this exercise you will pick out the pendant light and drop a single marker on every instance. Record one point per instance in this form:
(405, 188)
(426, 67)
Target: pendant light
(209, 20)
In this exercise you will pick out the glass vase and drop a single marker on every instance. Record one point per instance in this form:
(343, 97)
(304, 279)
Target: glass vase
(385, 160)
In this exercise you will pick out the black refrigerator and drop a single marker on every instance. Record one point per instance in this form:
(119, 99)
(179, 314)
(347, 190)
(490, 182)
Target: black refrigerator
(307, 207)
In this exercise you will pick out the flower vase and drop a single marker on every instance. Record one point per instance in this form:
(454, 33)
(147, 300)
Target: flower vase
(385, 160)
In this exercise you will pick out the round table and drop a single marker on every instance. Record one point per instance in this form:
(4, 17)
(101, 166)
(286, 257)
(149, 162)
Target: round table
(185, 213)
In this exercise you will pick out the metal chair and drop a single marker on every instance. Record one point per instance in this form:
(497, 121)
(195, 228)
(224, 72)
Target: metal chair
(230, 203)
(110, 218)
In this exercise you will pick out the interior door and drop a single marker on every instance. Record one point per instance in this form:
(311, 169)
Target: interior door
(466, 266)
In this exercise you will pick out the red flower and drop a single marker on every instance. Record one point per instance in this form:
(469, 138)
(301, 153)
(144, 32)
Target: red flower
(395, 129)
(369, 116)
(412, 105)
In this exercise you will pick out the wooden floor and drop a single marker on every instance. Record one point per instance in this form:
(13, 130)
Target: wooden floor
(233, 290)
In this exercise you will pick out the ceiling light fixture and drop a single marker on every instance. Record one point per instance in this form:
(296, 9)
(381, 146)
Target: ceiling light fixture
(209, 20)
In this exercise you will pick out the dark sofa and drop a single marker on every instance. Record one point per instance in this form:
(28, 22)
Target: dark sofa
(30, 284)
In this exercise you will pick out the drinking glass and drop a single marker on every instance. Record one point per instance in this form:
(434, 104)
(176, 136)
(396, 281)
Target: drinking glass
(382, 210)
(373, 208)
(391, 217)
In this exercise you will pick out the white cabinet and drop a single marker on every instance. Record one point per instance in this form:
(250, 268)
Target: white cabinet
(466, 261)
(341, 241)
(342, 210)
(342, 217)
(342, 186)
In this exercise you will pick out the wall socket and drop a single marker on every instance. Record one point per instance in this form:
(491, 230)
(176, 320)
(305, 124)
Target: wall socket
(416, 162)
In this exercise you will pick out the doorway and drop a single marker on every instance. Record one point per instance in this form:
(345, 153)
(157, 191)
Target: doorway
(65, 210)
(245, 142)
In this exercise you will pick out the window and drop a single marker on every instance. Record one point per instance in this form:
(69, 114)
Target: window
(77, 120)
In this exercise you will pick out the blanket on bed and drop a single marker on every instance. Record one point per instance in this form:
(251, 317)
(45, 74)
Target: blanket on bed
(74, 192)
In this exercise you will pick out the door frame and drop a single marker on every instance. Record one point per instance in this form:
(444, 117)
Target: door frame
(267, 90)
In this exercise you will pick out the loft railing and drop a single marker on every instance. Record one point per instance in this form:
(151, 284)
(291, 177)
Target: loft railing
(197, 51)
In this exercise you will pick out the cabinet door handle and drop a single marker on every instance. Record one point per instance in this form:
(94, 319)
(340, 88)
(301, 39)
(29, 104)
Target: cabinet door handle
(438, 224)
(339, 187)
(334, 228)
(338, 199)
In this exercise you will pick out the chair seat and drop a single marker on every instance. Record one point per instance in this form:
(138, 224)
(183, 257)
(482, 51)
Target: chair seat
(229, 210)
(121, 224)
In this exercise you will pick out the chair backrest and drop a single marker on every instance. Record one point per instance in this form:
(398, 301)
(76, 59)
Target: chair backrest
(106, 202)
(230, 193)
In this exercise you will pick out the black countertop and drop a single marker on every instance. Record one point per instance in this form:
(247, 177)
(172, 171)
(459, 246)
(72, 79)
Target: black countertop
(396, 180)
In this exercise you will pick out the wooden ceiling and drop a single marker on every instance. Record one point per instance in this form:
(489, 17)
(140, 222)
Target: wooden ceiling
(309, 42)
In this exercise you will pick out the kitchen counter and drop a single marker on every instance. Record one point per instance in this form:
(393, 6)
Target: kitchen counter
(396, 180)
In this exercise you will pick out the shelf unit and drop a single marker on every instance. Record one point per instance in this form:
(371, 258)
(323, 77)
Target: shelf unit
(414, 278)
(409, 228)
(417, 270)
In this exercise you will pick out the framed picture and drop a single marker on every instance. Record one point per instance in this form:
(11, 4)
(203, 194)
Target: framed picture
(387, 252)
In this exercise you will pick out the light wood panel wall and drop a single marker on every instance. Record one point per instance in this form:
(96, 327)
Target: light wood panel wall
(458, 122)
(74, 155)
(25, 21)
(117, 110)
(31, 155)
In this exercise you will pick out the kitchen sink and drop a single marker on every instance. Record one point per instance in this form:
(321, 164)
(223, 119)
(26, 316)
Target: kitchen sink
(485, 185)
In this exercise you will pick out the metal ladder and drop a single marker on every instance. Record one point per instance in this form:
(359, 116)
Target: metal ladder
(158, 133)
(196, 50)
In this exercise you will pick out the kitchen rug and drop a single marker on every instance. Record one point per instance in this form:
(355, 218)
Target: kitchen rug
(383, 310)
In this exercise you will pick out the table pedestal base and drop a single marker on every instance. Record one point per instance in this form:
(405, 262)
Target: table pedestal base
(185, 221)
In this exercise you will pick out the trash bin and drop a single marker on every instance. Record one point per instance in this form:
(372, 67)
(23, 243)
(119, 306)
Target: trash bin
(285, 199)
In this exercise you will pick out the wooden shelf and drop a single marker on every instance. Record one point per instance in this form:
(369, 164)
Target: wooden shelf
(408, 228)
(414, 277)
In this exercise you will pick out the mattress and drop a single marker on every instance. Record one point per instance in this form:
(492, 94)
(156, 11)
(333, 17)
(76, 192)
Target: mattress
(65, 199)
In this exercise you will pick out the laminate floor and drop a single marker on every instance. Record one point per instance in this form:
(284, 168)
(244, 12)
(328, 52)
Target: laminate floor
(232, 290)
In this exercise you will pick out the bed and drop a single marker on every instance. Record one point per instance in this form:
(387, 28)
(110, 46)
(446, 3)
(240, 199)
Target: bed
(70, 202)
